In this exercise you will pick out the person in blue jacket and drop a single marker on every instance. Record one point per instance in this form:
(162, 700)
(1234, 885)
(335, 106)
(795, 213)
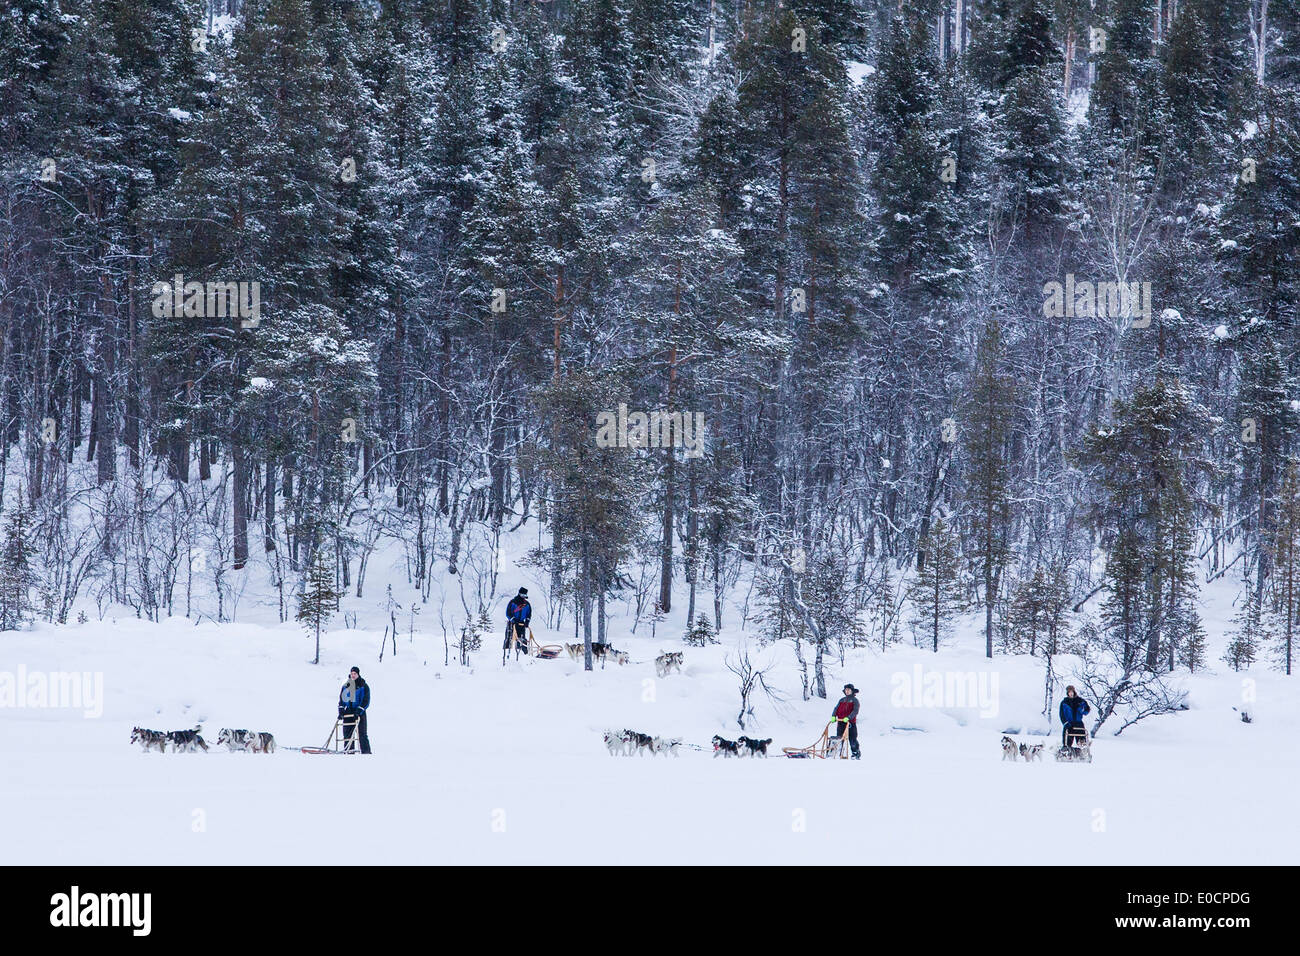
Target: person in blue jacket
(518, 613)
(354, 701)
(1073, 709)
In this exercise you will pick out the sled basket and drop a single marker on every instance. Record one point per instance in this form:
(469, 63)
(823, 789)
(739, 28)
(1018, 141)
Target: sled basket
(825, 746)
(1078, 747)
(546, 652)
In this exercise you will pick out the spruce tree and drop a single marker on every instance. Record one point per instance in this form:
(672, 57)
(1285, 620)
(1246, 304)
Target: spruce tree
(936, 592)
(920, 239)
(17, 574)
(987, 429)
(1285, 554)
(1251, 631)
(317, 599)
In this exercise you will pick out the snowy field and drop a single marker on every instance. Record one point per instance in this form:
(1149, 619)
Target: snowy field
(507, 765)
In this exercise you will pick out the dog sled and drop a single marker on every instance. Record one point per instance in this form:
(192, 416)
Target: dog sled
(530, 648)
(546, 652)
(826, 746)
(339, 741)
(1077, 747)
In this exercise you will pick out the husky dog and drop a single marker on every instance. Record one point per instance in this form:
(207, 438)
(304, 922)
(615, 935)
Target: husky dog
(639, 743)
(149, 739)
(1008, 749)
(1034, 752)
(598, 651)
(616, 742)
(662, 746)
(666, 663)
(576, 652)
(749, 747)
(725, 748)
(262, 743)
(234, 740)
(620, 657)
(187, 741)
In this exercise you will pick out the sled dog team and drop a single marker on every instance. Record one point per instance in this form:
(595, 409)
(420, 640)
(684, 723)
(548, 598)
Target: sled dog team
(191, 741)
(354, 700)
(599, 651)
(628, 742)
(1073, 736)
(744, 747)
(1011, 751)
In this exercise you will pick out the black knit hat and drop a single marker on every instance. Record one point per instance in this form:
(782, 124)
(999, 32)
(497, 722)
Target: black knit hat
(357, 669)
(851, 687)
(524, 591)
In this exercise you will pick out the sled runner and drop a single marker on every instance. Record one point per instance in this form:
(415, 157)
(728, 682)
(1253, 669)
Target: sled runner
(337, 743)
(1078, 748)
(826, 746)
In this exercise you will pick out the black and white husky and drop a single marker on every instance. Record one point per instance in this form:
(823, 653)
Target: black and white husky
(627, 742)
(233, 740)
(149, 739)
(639, 743)
(725, 748)
(187, 741)
(246, 740)
(749, 747)
(1031, 752)
(578, 652)
(669, 662)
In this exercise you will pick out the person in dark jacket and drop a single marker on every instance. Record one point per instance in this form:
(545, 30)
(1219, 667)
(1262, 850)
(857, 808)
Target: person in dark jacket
(846, 716)
(518, 613)
(354, 701)
(1073, 709)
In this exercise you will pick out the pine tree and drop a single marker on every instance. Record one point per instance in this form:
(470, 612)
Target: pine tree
(701, 632)
(988, 422)
(1251, 632)
(17, 574)
(936, 593)
(1259, 237)
(881, 613)
(317, 599)
(1149, 458)
(920, 240)
(1267, 428)
(596, 487)
(1286, 562)
(1031, 156)
(1125, 96)
(1036, 613)
(1197, 131)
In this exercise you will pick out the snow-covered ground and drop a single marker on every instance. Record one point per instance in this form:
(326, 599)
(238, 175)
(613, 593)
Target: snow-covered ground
(497, 765)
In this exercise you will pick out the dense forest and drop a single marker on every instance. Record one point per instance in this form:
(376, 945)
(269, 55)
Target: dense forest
(881, 310)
